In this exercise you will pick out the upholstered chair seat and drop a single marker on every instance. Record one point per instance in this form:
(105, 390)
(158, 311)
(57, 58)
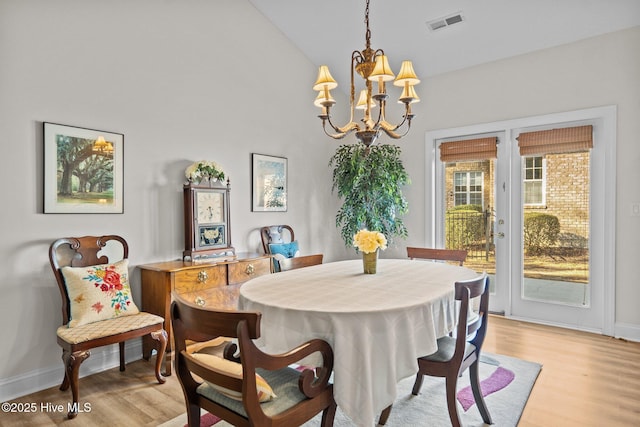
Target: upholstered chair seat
(283, 382)
(106, 328)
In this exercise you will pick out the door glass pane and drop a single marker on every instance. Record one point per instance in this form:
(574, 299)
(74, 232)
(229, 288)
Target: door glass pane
(469, 190)
(556, 232)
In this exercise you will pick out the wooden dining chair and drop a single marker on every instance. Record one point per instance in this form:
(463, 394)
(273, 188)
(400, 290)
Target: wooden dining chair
(275, 234)
(456, 354)
(300, 262)
(454, 255)
(97, 308)
(256, 388)
(276, 243)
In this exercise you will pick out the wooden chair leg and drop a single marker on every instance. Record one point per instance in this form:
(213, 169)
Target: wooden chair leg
(65, 361)
(193, 415)
(451, 383)
(474, 378)
(73, 369)
(161, 337)
(418, 384)
(121, 345)
(328, 415)
(384, 415)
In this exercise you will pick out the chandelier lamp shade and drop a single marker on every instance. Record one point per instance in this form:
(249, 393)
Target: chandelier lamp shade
(373, 67)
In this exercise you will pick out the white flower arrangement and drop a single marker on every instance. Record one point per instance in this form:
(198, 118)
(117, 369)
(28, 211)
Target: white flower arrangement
(369, 241)
(203, 169)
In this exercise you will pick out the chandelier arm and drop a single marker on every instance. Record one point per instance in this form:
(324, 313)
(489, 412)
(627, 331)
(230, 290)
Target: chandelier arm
(389, 129)
(341, 131)
(386, 126)
(381, 114)
(355, 58)
(334, 136)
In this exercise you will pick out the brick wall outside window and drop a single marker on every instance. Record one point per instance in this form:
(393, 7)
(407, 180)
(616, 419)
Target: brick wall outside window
(566, 187)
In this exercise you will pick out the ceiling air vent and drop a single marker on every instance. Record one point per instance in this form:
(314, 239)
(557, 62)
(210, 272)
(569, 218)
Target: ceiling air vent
(445, 21)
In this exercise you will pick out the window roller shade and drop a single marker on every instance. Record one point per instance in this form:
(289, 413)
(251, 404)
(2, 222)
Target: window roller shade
(470, 149)
(555, 141)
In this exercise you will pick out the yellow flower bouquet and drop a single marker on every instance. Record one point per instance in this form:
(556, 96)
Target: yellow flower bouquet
(369, 241)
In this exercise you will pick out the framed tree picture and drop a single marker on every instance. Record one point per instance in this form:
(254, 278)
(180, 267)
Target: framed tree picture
(269, 183)
(83, 170)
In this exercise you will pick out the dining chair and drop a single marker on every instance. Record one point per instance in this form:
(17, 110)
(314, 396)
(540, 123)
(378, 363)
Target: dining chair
(456, 354)
(276, 243)
(454, 255)
(300, 262)
(97, 307)
(276, 234)
(255, 388)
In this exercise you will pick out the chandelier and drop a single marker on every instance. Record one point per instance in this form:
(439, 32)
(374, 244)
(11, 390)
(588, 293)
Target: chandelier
(373, 67)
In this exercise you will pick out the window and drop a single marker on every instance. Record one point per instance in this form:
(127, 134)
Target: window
(533, 181)
(468, 188)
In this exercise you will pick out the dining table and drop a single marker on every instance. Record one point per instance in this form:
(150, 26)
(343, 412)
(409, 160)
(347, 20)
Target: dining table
(377, 324)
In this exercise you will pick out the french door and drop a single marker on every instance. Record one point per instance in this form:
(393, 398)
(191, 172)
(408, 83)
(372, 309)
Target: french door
(539, 222)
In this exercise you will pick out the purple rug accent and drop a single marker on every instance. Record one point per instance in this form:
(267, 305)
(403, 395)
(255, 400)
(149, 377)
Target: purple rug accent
(207, 420)
(499, 379)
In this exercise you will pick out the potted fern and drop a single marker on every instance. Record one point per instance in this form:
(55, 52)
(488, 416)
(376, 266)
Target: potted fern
(369, 180)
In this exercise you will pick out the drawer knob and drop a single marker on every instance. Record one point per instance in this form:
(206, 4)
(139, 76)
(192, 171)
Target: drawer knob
(203, 276)
(199, 301)
(250, 269)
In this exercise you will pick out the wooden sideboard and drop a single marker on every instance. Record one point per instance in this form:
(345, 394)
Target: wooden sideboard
(195, 282)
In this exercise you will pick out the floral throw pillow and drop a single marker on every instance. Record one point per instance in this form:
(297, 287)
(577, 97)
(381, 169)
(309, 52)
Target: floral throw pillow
(98, 292)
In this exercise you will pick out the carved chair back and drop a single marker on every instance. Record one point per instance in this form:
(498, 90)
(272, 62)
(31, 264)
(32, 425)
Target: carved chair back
(82, 252)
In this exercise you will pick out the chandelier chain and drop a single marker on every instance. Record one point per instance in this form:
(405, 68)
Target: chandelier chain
(366, 22)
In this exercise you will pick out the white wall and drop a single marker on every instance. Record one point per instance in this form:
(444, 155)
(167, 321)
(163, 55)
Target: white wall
(185, 80)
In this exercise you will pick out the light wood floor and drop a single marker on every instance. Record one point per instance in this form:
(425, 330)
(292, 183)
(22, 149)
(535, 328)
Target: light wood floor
(586, 380)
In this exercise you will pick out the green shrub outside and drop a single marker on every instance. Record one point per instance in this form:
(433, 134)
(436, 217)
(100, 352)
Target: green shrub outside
(464, 226)
(541, 232)
(476, 208)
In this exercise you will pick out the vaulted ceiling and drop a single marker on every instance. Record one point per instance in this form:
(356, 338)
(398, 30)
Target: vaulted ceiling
(327, 31)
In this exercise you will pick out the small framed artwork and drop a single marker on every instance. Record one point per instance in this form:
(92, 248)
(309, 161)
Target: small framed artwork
(83, 170)
(269, 183)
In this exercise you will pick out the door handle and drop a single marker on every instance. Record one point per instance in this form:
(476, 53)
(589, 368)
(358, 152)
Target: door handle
(500, 235)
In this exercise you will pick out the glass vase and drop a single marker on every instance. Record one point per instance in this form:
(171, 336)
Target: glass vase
(370, 262)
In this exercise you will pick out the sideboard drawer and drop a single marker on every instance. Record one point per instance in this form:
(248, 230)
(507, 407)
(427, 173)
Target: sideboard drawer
(222, 297)
(196, 279)
(241, 271)
(196, 283)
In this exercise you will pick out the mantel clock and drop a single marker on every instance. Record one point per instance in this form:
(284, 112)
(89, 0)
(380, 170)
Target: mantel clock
(207, 229)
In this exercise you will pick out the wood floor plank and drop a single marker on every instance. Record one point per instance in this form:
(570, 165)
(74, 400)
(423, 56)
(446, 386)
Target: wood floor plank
(586, 380)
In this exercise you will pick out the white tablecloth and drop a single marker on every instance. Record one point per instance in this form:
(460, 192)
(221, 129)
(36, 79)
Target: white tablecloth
(377, 324)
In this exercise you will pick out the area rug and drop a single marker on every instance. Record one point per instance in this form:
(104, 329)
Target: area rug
(506, 383)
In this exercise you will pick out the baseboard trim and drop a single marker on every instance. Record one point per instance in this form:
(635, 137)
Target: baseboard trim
(624, 331)
(100, 360)
(627, 331)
